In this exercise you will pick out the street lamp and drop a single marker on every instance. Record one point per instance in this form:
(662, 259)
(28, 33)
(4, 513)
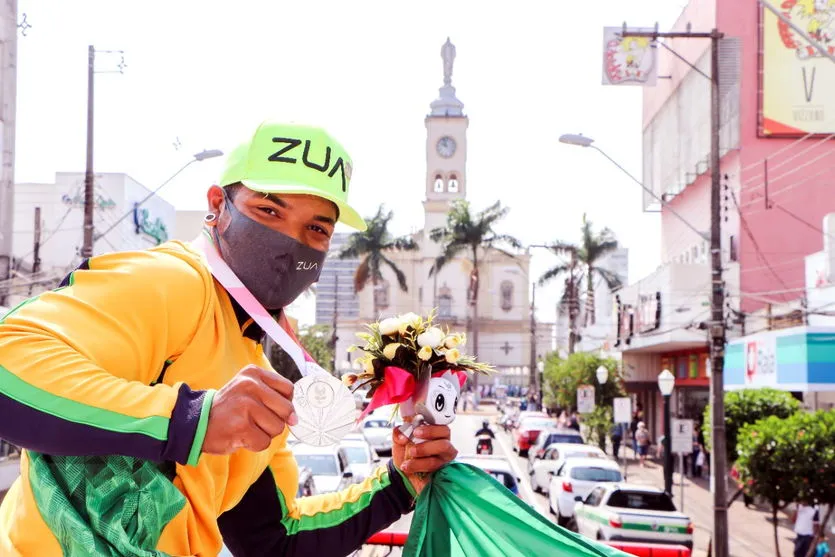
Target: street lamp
(602, 375)
(666, 384)
(583, 141)
(199, 157)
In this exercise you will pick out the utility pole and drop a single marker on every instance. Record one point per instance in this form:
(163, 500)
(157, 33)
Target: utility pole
(8, 83)
(716, 326)
(89, 185)
(534, 377)
(36, 248)
(334, 338)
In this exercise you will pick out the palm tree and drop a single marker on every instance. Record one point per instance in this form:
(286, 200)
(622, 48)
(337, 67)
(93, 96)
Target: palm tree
(582, 266)
(372, 245)
(468, 232)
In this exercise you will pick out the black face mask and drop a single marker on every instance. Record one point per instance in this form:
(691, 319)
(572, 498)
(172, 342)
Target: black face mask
(274, 267)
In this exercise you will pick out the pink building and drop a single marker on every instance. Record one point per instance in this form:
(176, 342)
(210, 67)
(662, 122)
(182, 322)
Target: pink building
(778, 168)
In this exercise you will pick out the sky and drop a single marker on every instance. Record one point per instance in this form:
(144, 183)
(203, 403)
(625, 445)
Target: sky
(202, 75)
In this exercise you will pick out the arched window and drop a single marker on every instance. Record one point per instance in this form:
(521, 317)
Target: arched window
(507, 295)
(381, 295)
(439, 183)
(452, 185)
(445, 302)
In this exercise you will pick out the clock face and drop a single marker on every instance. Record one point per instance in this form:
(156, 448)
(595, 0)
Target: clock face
(446, 146)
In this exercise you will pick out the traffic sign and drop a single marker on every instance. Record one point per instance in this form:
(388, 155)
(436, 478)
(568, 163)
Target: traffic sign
(585, 399)
(682, 441)
(623, 410)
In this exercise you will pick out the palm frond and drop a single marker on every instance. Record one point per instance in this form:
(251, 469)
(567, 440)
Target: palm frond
(553, 273)
(361, 276)
(401, 276)
(611, 279)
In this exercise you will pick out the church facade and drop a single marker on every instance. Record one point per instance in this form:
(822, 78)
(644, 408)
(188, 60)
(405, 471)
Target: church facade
(504, 312)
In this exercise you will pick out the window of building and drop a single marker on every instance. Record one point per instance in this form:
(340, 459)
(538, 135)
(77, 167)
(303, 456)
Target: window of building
(507, 295)
(439, 183)
(453, 184)
(445, 302)
(381, 295)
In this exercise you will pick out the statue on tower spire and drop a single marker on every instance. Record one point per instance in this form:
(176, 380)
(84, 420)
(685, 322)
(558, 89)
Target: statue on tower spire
(447, 104)
(448, 55)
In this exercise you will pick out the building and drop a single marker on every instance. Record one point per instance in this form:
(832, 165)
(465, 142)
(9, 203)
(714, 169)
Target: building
(599, 336)
(776, 160)
(335, 297)
(503, 303)
(122, 223)
(8, 99)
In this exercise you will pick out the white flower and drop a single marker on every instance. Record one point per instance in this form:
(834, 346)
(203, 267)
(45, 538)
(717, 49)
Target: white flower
(425, 353)
(432, 337)
(389, 326)
(408, 320)
(453, 341)
(452, 356)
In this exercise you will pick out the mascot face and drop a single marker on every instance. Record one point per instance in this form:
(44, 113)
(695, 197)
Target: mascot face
(441, 400)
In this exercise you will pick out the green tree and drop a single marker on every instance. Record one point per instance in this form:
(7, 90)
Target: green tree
(786, 460)
(580, 265)
(563, 377)
(373, 246)
(747, 406)
(316, 339)
(473, 234)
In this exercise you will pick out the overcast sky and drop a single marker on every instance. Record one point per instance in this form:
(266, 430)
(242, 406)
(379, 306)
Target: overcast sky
(207, 72)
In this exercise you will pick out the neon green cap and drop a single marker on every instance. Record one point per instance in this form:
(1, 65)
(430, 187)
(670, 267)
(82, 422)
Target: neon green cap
(293, 158)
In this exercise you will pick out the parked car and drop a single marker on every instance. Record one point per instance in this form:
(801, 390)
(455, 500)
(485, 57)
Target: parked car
(377, 431)
(528, 431)
(576, 478)
(307, 485)
(497, 466)
(362, 459)
(360, 398)
(549, 437)
(329, 466)
(555, 456)
(632, 513)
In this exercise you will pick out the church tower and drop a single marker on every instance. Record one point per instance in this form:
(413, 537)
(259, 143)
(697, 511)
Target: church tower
(446, 148)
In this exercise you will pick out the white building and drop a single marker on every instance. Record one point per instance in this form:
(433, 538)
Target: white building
(8, 94)
(121, 223)
(335, 289)
(503, 302)
(600, 335)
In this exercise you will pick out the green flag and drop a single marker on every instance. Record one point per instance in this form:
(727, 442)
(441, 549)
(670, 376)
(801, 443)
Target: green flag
(465, 512)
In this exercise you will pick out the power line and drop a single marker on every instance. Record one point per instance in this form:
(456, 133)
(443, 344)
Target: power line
(803, 221)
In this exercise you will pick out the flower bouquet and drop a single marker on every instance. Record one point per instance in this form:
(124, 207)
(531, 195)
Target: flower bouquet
(411, 362)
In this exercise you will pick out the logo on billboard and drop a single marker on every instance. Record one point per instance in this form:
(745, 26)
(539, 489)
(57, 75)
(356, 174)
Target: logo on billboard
(628, 60)
(761, 362)
(817, 18)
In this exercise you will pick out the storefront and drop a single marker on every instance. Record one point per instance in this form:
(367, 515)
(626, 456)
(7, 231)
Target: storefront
(800, 360)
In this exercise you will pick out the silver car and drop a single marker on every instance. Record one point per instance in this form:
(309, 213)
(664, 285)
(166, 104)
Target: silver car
(378, 431)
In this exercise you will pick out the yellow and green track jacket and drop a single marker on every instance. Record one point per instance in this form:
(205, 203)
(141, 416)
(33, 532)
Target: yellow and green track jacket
(107, 383)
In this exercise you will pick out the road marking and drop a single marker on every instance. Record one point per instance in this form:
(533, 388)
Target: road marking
(525, 484)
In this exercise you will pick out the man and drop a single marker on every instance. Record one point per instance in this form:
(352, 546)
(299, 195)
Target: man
(485, 430)
(806, 523)
(151, 420)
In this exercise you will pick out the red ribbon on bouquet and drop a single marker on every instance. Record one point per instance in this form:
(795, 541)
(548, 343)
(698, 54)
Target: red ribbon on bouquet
(399, 385)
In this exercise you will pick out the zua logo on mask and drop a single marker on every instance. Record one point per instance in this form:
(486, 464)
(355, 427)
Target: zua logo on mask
(291, 143)
(306, 265)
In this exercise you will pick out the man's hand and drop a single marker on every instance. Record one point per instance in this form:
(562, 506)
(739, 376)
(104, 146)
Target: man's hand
(249, 411)
(418, 460)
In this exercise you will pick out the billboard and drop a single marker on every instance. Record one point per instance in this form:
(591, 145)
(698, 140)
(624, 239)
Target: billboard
(629, 60)
(797, 81)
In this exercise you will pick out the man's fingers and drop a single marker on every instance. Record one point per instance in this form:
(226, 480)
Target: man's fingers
(399, 438)
(429, 432)
(275, 402)
(266, 420)
(273, 380)
(438, 447)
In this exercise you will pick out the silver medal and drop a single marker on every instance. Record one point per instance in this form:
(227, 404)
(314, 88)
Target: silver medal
(325, 407)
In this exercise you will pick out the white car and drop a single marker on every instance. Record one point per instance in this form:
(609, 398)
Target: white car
(576, 478)
(555, 456)
(329, 466)
(498, 467)
(377, 431)
(632, 513)
(362, 459)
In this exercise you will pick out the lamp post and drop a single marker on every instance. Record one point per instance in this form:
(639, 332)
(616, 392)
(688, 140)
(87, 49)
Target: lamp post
(666, 384)
(602, 376)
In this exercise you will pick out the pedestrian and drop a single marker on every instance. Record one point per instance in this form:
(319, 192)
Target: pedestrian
(150, 418)
(617, 437)
(699, 463)
(574, 422)
(806, 524)
(637, 417)
(642, 442)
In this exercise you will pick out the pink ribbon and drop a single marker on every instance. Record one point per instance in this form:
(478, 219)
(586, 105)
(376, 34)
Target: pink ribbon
(399, 386)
